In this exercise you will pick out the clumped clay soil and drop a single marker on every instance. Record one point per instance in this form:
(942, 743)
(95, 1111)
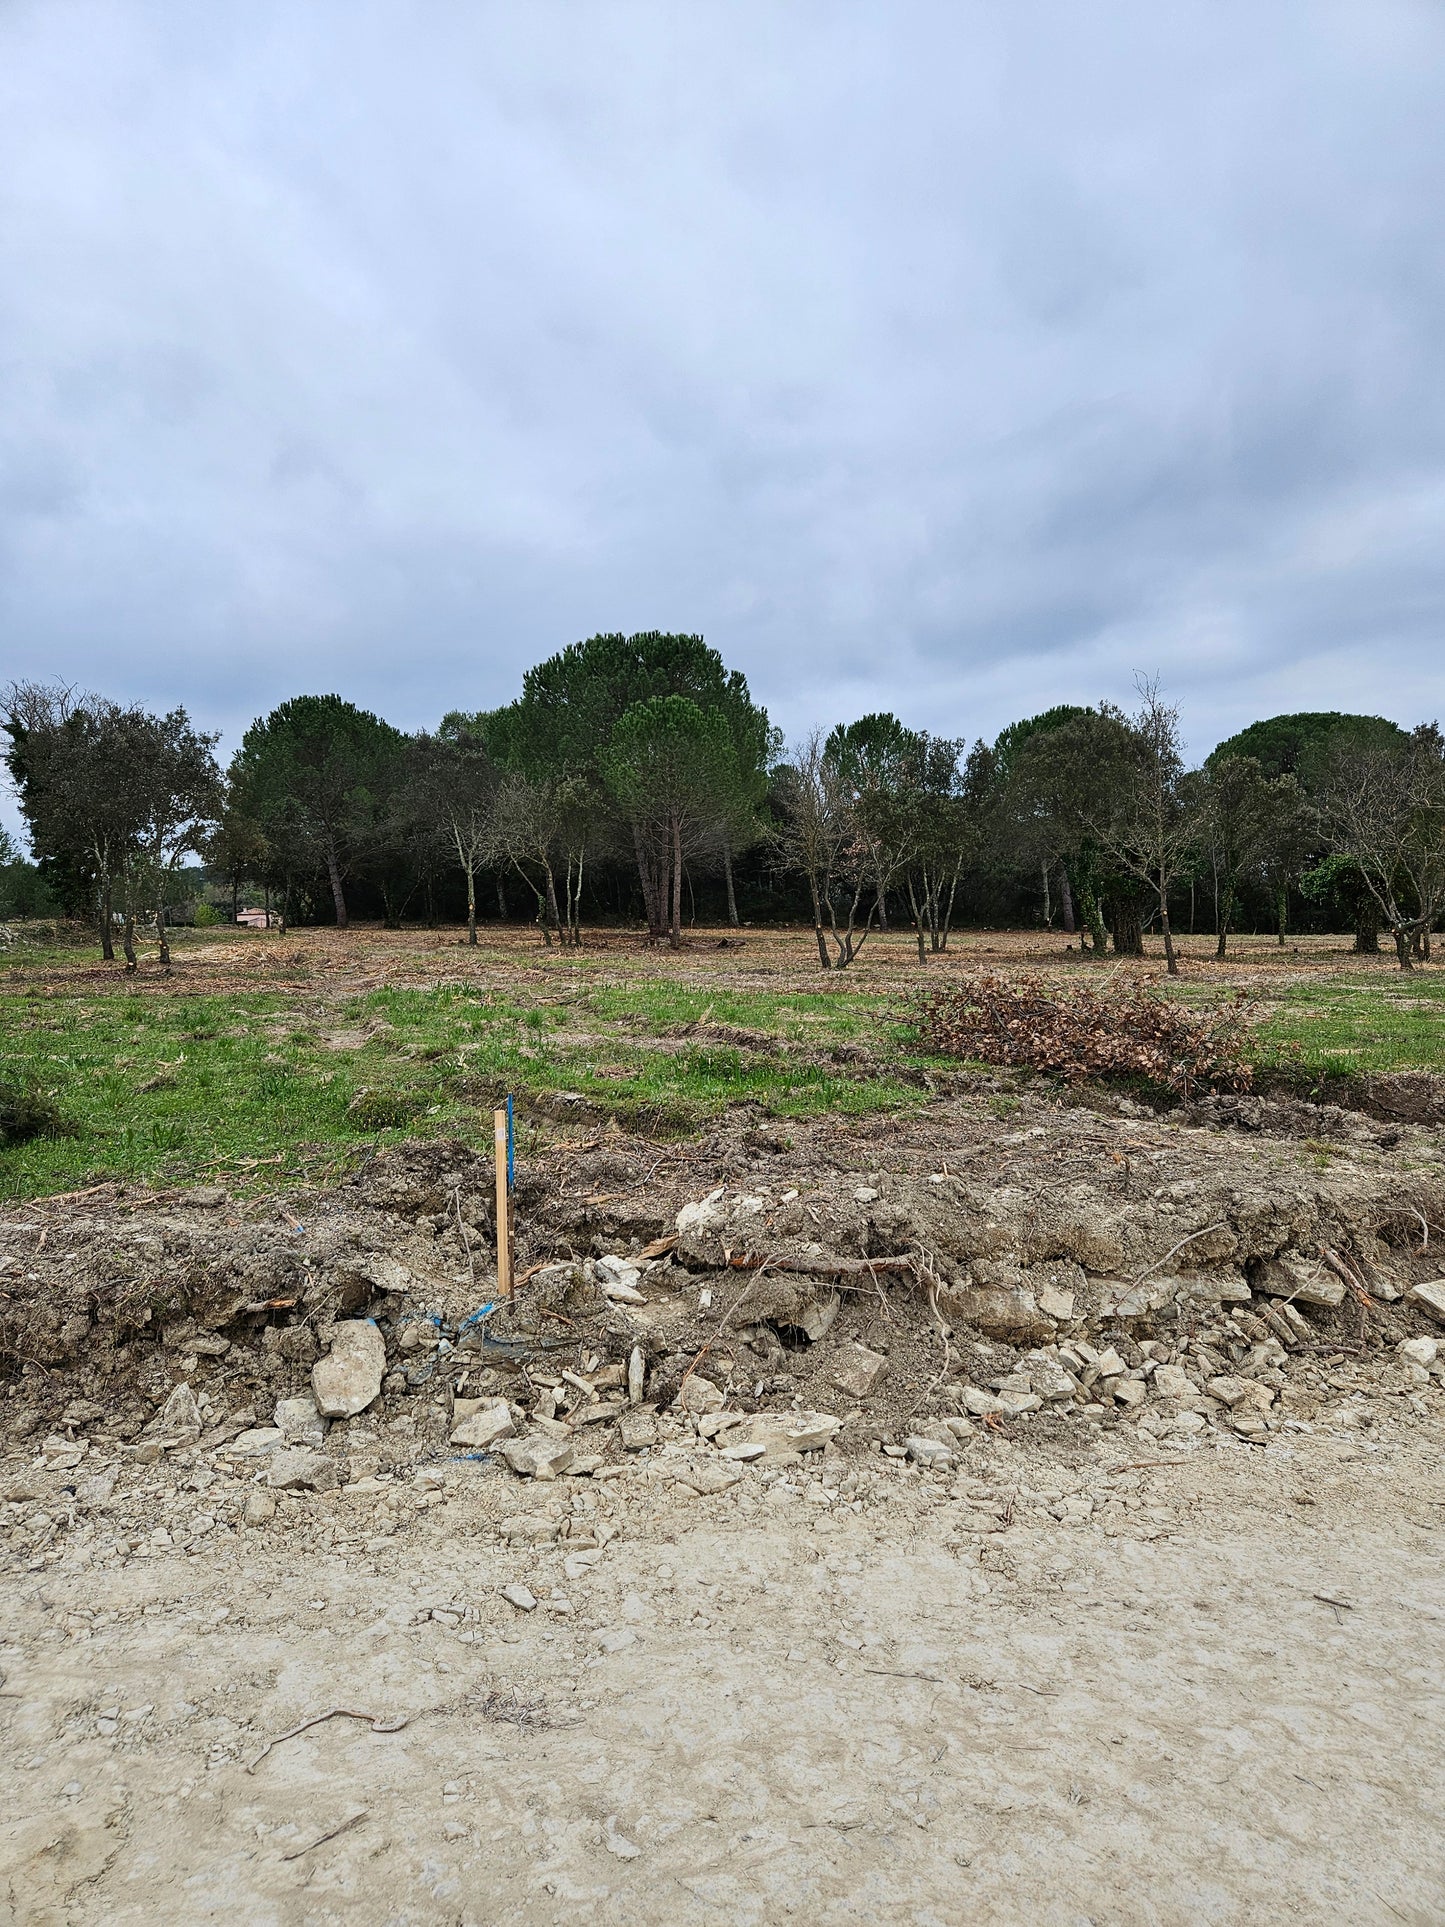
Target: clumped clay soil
(1020, 1511)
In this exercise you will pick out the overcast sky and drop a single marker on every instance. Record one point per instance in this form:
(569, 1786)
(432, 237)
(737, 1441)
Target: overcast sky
(950, 357)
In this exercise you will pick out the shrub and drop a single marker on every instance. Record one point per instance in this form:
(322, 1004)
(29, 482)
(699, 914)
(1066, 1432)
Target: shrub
(382, 1110)
(27, 1113)
(1080, 1032)
(206, 917)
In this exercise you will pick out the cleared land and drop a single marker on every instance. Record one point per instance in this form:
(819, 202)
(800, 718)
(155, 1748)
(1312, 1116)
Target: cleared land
(1113, 1595)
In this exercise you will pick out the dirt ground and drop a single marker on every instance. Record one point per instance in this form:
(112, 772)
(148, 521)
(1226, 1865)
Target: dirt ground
(1110, 1591)
(1216, 1699)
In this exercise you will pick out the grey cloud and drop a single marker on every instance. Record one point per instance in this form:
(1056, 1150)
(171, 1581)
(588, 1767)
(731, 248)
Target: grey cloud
(954, 358)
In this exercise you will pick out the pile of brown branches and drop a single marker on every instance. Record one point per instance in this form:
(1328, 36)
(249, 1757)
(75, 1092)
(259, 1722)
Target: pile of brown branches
(1082, 1033)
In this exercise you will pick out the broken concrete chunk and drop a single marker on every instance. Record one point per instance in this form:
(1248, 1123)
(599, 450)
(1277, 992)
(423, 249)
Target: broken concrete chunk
(349, 1378)
(296, 1468)
(1109, 1364)
(481, 1429)
(260, 1507)
(1128, 1392)
(927, 1452)
(982, 1404)
(530, 1529)
(522, 1597)
(1304, 1280)
(636, 1374)
(859, 1371)
(1430, 1297)
(538, 1455)
(298, 1420)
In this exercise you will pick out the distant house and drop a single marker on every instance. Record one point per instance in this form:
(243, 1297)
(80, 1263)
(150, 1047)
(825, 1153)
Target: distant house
(254, 919)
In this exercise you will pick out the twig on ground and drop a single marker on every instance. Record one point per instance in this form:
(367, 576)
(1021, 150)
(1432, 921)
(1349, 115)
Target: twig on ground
(373, 1720)
(1174, 1250)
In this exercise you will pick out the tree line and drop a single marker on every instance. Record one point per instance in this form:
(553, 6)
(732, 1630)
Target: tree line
(633, 770)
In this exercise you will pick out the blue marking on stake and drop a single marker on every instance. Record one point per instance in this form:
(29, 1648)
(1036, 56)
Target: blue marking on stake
(511, 1149)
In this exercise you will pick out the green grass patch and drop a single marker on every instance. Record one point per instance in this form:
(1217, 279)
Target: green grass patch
(264, 1086)
(1354, 1024)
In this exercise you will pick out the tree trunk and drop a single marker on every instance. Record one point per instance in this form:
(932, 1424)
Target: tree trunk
(674, 935)
(880, 905)
(1066, 900)
(338, 895)
(553, 913)
(162, 938)
(127, 942)
(472, 905)
(1048, 899)
(1367, 934)
(501, 896)
(1223, 915)
(824, 960)
(1128, 930)
(236, 899)
(728, 879)
(1282, 907)
(1402, 949)
(107, 922)
(1170, 960)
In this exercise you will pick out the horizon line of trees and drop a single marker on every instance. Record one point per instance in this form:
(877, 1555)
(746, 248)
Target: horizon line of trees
(632, 770)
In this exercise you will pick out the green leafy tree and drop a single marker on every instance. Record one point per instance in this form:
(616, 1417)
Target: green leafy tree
(672, 768)
(317, 775)
(1386, 811)
(1250, 826)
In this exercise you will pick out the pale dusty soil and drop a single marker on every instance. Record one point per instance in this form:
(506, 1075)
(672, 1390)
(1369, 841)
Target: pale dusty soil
(824, 1714)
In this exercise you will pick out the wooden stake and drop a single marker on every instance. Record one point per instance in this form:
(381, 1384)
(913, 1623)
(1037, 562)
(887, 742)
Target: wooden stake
(504, 1206)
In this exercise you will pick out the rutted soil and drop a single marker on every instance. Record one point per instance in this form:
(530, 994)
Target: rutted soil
(1106, 1585)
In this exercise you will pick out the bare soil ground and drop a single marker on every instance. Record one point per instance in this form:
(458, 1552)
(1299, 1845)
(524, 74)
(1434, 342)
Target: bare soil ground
(1115, 1597)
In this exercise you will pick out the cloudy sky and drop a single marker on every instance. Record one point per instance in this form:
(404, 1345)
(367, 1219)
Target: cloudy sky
(954, 356)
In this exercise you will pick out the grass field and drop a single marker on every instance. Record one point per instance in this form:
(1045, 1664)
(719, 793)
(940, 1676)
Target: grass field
(262, 1058)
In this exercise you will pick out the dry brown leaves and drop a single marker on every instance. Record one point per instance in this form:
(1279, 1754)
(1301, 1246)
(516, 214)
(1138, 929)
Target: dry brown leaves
(1080, 1033)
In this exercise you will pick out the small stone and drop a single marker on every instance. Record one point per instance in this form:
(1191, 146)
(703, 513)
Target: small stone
(1056, 1303)
(859, 1371)
(620, 1292)
(179, 1420)
(1128, 1392)
(782, 1433)
(1172, 1381)
(636, 1375)
(637, 1431)
(1430, 1297)
(1109, 1364)
(349, 1378)
(482, 1428)
(927, 1452)
(1051, 1382)
(865, 1194)
(538, 1455)
(982, 1404)
(616, 1638)
(1419, 1351)
(706, 1480)
(699, 1395)
(529, 1529)
(299, 1421)
(260, 1507)
(1300, 1279)
(1233, 1391)
(295, 1468)
(618, 1844)
(522, 1597)
(817, 1320)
